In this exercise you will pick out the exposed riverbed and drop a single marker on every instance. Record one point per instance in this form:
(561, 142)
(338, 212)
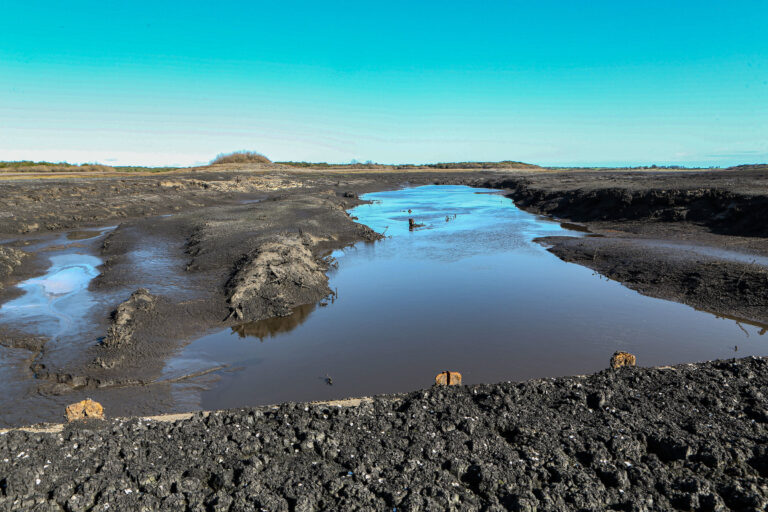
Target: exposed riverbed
(470, 291)
(689, 437)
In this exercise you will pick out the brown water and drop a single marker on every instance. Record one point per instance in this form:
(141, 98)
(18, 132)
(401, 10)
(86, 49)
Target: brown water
(469, 292)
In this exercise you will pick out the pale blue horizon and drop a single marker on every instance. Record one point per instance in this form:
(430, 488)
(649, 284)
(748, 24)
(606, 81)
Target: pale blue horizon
(553, 83)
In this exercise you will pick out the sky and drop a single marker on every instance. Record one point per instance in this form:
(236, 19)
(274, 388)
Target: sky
(550, 82)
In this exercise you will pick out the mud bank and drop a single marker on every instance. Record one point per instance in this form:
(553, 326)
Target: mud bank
(726, 202)
(681, 274)
(692, 437)
(714, 221)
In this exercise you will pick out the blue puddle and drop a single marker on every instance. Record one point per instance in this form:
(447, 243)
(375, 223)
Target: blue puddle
(58, 301)
(468, 291)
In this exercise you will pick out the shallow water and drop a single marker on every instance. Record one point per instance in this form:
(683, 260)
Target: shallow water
(58, 301)
(470, 292)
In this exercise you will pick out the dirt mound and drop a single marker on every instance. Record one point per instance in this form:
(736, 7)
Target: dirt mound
(277, 277)
(241, 157)
(127, 316)
(10, 258)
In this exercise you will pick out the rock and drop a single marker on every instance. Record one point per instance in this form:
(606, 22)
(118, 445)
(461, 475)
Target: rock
(87, 409)
(447, 378)
(596, 400)
(412, 224)
(619, 359)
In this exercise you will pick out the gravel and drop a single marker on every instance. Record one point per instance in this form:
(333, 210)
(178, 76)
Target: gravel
(692, 437)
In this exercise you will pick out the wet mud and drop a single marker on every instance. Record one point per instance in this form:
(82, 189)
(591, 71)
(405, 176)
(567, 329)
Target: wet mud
(641, 223)
(469, 290)
(227, 248)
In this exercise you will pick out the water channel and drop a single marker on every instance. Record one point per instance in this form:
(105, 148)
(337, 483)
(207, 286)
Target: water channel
(469, 291)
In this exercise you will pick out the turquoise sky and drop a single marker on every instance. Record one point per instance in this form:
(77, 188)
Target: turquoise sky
(551, 82)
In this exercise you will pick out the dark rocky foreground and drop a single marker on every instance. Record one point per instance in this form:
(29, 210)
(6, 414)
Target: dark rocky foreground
(692, 437)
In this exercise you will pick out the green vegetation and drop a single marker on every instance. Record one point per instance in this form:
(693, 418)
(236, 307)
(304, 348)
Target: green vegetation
(241, 157)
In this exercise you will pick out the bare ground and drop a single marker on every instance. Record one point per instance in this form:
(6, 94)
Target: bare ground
(233, 246)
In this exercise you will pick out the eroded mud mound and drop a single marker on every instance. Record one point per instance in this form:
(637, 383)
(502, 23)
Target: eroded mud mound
(277, 277)
(10, 259)
(128, 316)
(691, 437)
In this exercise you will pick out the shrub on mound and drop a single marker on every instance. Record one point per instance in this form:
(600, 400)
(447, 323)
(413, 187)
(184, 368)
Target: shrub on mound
(241, 157)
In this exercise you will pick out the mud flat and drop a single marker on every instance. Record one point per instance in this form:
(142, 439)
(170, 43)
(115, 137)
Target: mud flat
(191, 253)
(208, 249)
(200, 250)
(690, 437)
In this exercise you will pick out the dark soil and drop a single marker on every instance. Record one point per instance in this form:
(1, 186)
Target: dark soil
(692, 437)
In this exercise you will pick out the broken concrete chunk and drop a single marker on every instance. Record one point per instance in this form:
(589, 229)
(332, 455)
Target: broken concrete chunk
(86, 410)
(620, 359)
(447, 378)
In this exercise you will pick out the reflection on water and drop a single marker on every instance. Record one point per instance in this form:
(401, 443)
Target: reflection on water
(761, 329)
(473, 294)
(271, 327)
(83, 234)
(57, 301)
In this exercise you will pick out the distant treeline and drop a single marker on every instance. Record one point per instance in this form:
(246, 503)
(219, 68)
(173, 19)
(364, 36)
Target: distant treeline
(30, 166)
(506, 164)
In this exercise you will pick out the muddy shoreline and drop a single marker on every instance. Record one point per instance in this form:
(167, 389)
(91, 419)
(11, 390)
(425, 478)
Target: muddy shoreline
(245, 245)
(689, 437)
(694, 238)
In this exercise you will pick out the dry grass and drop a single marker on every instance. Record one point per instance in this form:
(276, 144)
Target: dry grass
(507, 164)
(241, 157)
(28, 166)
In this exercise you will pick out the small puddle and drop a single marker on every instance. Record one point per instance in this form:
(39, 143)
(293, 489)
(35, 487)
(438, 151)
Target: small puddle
(468, 291)
(58, 301)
